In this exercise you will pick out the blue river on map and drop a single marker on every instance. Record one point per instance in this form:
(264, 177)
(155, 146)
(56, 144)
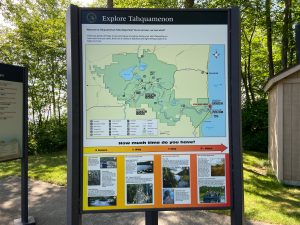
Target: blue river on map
(215, 125)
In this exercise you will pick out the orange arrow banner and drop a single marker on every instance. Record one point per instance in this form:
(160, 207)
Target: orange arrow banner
(161, 148)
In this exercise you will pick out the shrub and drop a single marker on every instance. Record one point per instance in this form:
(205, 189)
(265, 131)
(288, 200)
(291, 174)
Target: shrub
(255, 126)
(48, 136)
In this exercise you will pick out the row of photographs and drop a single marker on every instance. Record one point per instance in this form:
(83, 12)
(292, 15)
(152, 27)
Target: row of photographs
(140, 180)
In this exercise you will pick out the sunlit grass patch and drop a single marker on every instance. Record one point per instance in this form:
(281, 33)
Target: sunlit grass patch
(51, 167)
(266, 199)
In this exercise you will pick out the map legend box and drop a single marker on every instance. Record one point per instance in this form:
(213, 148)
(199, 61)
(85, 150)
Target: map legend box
(122, 128)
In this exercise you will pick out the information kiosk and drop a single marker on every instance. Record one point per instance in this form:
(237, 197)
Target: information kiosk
(154, 111)
(14, 127)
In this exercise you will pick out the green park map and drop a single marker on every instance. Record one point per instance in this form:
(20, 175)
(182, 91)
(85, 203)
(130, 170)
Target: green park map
(168, 84)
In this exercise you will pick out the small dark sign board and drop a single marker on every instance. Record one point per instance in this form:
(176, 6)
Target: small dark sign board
(14, 127)
(13, 84)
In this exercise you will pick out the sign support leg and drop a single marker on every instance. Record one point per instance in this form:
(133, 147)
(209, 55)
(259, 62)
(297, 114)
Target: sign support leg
(24, 190)
(237, 211)
(25, 220)
(73, 189)
(151, 218)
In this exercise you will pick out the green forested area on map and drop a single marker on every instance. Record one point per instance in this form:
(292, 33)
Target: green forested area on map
(33, 35)
(156, 83)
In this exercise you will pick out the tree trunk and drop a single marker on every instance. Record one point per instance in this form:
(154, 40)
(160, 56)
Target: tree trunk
(248, 75)
(188, 4)
(285, 35)
(53, 98)
(110, 3)
(40, 117)
(244, 79)
(269, 38)
(292, 43)
(58, 106)
(33, 115)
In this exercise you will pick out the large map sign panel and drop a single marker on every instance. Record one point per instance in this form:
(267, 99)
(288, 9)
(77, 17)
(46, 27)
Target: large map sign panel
(155, 110)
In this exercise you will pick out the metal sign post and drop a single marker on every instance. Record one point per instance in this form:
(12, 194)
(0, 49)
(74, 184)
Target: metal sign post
(73, 188)
(151, 218)
(237, 210)
(153, 97)
(25, 219)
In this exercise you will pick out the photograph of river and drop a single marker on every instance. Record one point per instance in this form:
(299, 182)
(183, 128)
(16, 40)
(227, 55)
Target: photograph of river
(176, 177)
(145, 167)
(102, 201)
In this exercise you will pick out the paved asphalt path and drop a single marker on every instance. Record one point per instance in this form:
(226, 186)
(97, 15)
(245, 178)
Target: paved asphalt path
(47, 204)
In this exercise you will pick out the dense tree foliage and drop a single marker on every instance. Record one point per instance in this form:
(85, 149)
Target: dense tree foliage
(35, 38)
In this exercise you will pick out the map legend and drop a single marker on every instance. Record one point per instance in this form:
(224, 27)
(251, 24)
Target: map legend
(122, 128)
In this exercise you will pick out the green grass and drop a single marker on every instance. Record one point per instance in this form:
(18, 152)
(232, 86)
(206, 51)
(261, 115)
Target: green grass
(266, 199)
(50, 168)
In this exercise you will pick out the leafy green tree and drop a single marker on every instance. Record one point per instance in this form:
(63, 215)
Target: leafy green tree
(255, 126)
(285, 34)
(146, 4)
(36, 39)
(269, 37)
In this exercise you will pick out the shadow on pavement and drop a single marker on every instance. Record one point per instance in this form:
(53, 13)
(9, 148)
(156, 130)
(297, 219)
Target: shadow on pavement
(47, 203)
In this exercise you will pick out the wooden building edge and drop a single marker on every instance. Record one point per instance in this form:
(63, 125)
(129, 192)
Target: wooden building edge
(284, 125)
